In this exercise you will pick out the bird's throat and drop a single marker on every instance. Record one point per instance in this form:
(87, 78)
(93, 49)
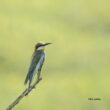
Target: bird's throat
(41, 48)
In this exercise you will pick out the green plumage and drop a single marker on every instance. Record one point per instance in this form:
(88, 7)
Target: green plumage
(36, 63)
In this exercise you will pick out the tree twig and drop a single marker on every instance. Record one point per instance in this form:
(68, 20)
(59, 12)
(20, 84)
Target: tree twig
(25, 93)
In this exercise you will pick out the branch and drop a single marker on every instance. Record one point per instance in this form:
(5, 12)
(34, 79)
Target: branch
(25, 93)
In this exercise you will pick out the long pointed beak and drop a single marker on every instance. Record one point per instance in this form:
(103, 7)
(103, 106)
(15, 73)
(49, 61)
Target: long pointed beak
(46, 44)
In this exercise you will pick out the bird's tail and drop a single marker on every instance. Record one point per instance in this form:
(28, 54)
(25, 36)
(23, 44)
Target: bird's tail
(26, 80)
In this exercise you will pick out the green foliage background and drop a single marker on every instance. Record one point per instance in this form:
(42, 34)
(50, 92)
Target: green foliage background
(77, 65)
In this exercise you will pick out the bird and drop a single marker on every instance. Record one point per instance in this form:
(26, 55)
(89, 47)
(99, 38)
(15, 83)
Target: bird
(36, 63)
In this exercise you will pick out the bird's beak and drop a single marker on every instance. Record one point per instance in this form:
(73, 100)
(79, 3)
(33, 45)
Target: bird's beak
(46, 44)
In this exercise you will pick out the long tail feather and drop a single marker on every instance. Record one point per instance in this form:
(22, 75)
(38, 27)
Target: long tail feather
(26, 80)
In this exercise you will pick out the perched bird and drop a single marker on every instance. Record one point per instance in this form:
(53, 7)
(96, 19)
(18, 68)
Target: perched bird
(36, 62)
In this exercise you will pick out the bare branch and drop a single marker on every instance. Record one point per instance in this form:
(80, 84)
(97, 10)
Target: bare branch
(25, 93)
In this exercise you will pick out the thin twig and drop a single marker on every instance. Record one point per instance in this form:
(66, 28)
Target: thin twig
(25, 93)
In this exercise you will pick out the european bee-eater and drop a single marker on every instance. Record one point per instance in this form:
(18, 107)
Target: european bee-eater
(37, 61)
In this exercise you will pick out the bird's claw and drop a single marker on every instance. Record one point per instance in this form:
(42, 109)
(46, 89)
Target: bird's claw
(39, 79)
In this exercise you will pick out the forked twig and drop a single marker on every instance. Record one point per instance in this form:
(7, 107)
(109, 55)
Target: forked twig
(25, 93)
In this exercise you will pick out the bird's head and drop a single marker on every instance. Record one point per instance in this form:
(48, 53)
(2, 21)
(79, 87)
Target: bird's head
(41, 45)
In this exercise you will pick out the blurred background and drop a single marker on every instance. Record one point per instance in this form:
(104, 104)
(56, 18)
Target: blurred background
(77, 65)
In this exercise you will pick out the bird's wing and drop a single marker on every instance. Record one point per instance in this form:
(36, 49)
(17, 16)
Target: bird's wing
(35, 59)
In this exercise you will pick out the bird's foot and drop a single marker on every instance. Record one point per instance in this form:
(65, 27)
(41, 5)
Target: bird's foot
(38, 79)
